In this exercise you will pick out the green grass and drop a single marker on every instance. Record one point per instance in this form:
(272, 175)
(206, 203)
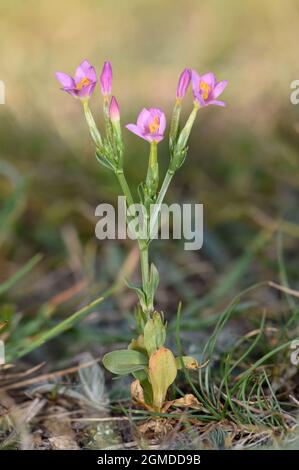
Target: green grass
(242, 164)
(245, 383)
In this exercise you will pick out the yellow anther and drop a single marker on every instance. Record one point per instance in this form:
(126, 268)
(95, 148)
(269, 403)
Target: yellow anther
(205, 90)
(84, 82)
(154, 125)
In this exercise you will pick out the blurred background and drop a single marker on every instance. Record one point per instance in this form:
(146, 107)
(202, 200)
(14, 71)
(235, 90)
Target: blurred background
(243, 162)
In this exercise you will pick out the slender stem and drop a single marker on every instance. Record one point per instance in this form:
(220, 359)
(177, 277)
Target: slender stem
(174, 123)
(109, 131)
(124, 186)
(185, 133)
(144, 264)
(96, 136)
(152, 177)
(160, 198)
(142, 245)
(182, 141)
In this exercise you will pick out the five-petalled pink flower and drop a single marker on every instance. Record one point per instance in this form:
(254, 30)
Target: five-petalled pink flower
(206, 89)
(150, 125)
(83, 83)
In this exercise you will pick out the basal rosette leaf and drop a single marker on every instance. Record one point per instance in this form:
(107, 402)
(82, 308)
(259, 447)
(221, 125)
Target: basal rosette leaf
(125, 361)
(162, 373)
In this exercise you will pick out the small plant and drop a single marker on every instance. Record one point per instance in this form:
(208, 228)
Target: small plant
(153, 366)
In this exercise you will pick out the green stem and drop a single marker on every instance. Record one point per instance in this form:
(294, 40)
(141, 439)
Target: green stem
(152, 177)
(144, 264)
(142, 245)
(182, 141)
(185, 133)
(124, 186)
(174, 124)
(94, 131)
(160, 198)
(109, 130)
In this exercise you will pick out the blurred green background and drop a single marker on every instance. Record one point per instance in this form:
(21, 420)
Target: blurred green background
(243, 162)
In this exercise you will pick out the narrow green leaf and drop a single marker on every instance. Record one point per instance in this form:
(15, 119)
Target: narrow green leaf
(5, 286)
(154, 333)
(56, 330)
(140, 294)
(153, 284)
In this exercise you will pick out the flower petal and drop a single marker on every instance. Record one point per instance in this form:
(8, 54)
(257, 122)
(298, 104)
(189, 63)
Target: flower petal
(106, 78)
(87, 90)
(195, 81)
(217, 103)
(162, 124)
(183, 83)
(219, 88)
(92, 75)
(153, 137)
(65, 80)
(208, 78)
(135, 129)
(114, 109)
(143, 117)
(200, 99)
(71, 91)
(85, 69)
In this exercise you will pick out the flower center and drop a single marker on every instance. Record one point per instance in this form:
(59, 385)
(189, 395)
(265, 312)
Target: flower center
(154, 125)
(205, 90)
(83, 82)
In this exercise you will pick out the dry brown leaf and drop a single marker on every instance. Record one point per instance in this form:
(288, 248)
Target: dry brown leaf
(156, 428)
(187, 401)
(137, 393)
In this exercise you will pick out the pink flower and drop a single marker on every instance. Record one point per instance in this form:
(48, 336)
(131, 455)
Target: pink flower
(83, 83)
(150, 125)
(183, 83)
(106, 79)
(114, 109)
(206, 90)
